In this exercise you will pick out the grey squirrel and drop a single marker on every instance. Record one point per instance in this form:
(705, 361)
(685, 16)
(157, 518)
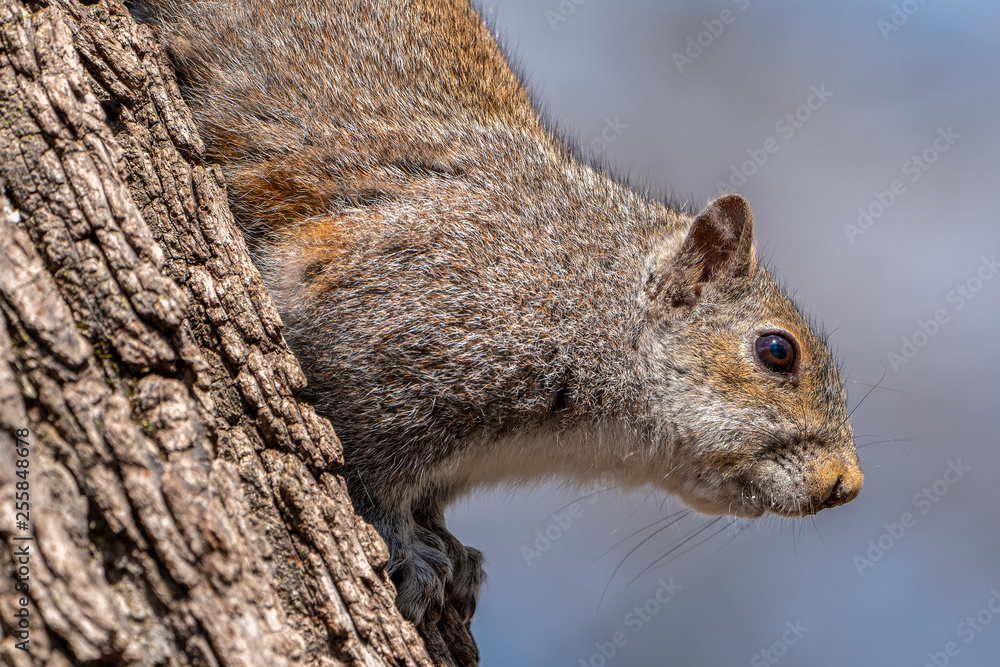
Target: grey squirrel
(473, 304)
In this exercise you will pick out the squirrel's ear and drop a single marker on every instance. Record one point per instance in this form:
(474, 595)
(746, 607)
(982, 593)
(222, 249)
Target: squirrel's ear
(717, 251)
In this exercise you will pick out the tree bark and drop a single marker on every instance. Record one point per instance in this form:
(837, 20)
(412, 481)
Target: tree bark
(184, 504)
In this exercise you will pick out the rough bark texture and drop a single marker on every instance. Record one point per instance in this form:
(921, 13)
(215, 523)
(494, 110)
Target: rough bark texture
(184, 505)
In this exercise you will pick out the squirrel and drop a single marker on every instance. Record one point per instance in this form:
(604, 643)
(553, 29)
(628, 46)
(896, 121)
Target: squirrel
(474, 304)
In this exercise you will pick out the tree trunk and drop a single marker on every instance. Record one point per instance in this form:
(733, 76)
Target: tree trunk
(179, 503)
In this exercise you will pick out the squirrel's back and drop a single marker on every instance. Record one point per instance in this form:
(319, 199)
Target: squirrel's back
(294, 97)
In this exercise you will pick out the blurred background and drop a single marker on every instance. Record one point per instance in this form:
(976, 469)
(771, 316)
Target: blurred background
(865, 136)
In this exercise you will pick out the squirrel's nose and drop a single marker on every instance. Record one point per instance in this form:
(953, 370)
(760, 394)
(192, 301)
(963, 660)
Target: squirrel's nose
(836, 496)
(845, 487)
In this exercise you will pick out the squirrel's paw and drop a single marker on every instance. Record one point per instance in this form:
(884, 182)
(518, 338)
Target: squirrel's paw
(469, 576)
(468, 573)
(431, 568)
(420, 570)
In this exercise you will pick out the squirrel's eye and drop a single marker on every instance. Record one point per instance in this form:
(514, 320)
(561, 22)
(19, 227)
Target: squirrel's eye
(776, 353)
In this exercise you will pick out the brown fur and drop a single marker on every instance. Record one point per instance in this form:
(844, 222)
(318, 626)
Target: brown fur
(472, 304)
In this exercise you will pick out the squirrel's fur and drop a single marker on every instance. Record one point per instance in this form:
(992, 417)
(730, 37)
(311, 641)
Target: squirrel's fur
(471, 303)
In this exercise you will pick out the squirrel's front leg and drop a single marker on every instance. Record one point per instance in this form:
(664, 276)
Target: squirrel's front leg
(467, 564)
(427, 564)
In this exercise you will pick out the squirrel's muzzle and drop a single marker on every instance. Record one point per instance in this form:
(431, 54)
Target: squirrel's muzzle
(839, 482)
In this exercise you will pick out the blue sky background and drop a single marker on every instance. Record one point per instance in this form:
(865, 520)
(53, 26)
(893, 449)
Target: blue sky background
(736, 594)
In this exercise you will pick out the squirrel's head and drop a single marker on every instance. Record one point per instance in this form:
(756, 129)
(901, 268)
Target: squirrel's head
(744, 396)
